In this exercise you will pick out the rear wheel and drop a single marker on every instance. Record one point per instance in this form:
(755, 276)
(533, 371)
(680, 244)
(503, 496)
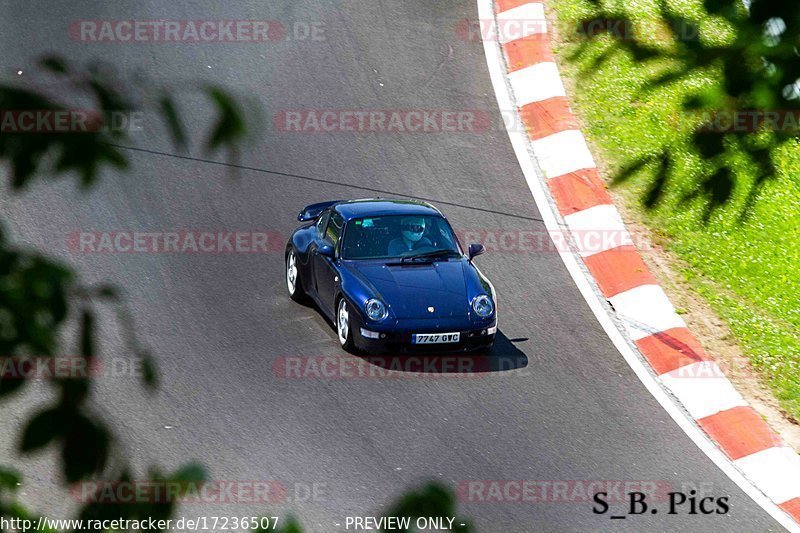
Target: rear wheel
(293, 282)
(343, 329)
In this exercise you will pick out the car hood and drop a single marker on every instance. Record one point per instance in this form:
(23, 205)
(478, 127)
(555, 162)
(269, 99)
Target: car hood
(411, 289)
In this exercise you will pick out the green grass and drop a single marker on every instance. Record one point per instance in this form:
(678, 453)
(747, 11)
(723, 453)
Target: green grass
(748, 271)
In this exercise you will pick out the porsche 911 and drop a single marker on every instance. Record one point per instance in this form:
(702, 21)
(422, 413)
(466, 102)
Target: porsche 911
(391, 275)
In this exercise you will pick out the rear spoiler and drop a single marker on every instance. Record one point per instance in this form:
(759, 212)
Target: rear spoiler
(310, 212)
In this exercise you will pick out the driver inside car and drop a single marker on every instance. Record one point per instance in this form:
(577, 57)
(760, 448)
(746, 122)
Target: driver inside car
(412, 231)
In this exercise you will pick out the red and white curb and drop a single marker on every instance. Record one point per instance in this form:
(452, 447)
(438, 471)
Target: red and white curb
(620, 289)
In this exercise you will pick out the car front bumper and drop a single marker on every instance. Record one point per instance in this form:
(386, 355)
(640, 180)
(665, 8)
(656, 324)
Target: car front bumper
(397, 337)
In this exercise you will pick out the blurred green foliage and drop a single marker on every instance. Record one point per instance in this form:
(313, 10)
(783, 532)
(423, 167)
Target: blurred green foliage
(42, 299)
(749, 50)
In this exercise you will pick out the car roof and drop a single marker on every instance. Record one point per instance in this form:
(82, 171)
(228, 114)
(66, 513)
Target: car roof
(380, 206)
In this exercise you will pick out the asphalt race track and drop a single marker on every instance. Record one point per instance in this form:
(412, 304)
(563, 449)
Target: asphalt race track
(560, 403)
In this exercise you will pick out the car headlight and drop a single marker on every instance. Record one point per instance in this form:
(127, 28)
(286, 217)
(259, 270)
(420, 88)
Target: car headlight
(375, 309)
(483, 306)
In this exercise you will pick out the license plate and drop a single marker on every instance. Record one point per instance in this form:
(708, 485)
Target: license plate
(435, 338)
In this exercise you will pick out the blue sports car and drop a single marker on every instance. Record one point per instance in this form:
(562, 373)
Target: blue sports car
(392, 276)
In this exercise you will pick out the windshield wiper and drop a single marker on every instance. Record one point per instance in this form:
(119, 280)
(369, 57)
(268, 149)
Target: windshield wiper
(432, 253)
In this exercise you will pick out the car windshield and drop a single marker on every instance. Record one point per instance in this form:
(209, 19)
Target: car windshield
(398, 237)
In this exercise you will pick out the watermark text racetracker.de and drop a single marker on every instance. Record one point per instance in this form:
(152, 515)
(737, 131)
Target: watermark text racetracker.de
(578, 491)
(219, 491)
(45, 367)
(507, 29)
(543, 240)
(133, 31)
(745, 120)
(69, 121)
(176, 241)
(391, 367)
(536, 491)
(412, 121)
(381, 121)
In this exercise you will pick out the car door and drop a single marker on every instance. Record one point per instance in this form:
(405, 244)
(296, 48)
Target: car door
(325, 268)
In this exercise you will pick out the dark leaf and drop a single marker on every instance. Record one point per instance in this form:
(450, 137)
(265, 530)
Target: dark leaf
(632, 169)
(108, 292)
(75, 389)
(599, 59)
(761, 11)
(715, 189)
(192, 472)
(432, 500)
(766, 173)
(666, 77)
(190, 478)
(579, 51)
(85, 448)
(173, 121)
(55, 64)
(86, 348)
(656, 189)
(737, 77)
(682, 29)
(717, 6)
(9, 479)
(229, 126)
(41, 430)
(149, 373)
(708, 142)
(719, 187)
(642, 52)
(113, 156)
(617, 27)
(9, 385)
(693, 103)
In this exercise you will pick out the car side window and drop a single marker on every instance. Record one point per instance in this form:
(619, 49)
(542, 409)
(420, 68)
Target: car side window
(334, 229)
(322, 221)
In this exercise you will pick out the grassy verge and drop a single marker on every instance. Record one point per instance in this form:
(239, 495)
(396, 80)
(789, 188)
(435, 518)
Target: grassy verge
(747, 270)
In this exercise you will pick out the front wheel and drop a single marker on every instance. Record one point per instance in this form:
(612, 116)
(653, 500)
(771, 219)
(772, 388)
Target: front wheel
(293, 282)
(343, 325)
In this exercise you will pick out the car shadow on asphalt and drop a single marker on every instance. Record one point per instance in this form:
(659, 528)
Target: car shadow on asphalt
(503, 356)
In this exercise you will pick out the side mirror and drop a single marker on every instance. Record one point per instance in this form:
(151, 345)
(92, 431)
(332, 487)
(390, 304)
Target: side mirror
(326, 250)
(475, 249)
(309, 213)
